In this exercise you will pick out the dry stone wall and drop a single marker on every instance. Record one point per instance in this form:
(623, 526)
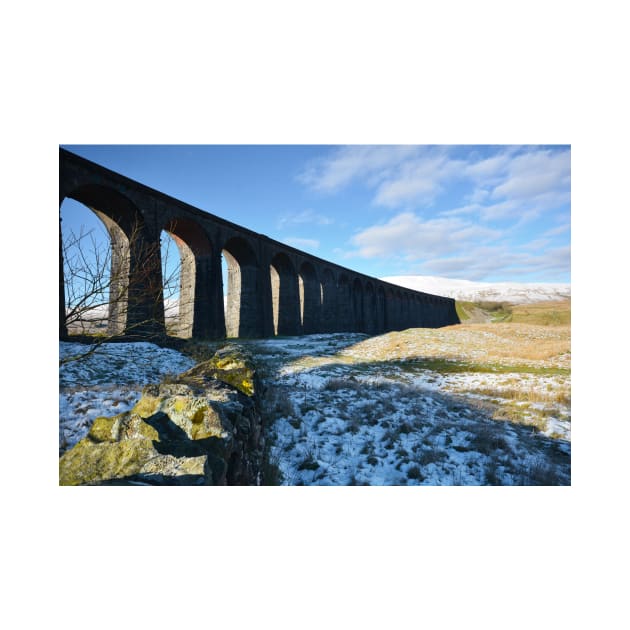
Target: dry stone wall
(202, 428)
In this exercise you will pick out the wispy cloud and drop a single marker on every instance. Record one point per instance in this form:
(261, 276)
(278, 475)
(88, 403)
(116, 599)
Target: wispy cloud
(500, 262)
(455, 246)
(347, 164)
(408, 177)
(417, 181)
(561, 229)
(303, 217)
(409, 236)
(302, 243)
(536, 173)
(497, 195)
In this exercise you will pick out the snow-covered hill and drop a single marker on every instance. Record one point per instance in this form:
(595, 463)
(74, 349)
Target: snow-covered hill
(514, 292)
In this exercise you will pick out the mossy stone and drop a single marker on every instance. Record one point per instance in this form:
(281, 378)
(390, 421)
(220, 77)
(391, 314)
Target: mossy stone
(229, 365)
(88, 462)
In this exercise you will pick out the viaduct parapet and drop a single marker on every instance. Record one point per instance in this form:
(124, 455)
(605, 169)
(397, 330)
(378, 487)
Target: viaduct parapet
(272, 288)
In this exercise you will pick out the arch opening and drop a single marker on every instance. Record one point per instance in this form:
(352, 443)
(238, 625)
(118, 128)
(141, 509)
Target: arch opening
(94, 254)
(241, 269)
(135, 279)
(285, 299)
(186, 266)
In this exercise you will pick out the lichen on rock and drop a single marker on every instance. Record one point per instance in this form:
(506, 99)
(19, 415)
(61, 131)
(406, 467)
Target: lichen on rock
(231, 365)
(203, 427)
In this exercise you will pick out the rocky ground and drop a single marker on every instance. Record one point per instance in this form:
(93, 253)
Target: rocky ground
(474, 404)
(471, 404)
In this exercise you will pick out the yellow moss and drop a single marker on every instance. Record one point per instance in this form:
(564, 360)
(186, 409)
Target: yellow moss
(205, 424)
(240, 378)
(198, 415)
(136, 428)
(225, 364)
(248, 387)
(180, 403)
(147, 406)
(88, 462)
(102, 430)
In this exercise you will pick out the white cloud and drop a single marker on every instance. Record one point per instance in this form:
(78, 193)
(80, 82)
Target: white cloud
(457, 247)
(498, 211)
(537, 174)
(302, 243)
(353, 162)
(479, 195)
(496, 192)
(305, 216)
(561, 229)
(500, 262)
(463, 210)
(528, 179)
(416, 181)
(489, 168)
(407, 235)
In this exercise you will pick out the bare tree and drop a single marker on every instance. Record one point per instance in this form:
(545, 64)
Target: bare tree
(98, 278)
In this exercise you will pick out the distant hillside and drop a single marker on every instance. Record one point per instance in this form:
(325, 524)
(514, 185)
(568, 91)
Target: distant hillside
(513, 292)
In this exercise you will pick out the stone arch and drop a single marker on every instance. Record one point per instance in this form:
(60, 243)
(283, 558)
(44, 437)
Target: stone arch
(358, 315)
(369, 309)
(390, 309)
(407, 319)
(400, 320)
(191, 279)
(381, 310)
(135, 279)
(424, 310)
(329, 301)
(106, 201)
(241, 308)
(344, 304)
(418, 311)
(310, 298)
(432, 312)
(442, 313)
(284, 296)
(403, 310)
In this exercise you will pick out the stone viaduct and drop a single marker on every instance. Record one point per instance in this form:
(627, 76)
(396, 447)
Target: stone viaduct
(272, 288)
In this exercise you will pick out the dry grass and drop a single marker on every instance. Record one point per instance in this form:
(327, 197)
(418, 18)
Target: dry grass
(524, 342)
(543, 313)
(525, 395)
(277, 403)
(505, 343)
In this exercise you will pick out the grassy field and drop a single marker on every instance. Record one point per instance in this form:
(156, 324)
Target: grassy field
(486, 402)
(557, 313)
(543, 313)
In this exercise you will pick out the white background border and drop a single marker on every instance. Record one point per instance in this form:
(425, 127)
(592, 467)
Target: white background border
(289, 72)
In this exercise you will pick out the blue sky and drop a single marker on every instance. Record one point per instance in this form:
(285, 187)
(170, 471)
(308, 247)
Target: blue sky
(486, 213)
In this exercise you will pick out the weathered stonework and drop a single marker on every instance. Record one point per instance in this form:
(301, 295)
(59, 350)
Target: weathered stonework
(203, 428)
(272, 288)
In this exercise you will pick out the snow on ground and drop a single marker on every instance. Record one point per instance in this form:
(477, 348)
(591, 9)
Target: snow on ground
(346, 408)
(108, 382)
(344, 415)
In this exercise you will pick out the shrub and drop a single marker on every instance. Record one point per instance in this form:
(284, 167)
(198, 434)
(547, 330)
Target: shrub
(309, 463)
(413, 472)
